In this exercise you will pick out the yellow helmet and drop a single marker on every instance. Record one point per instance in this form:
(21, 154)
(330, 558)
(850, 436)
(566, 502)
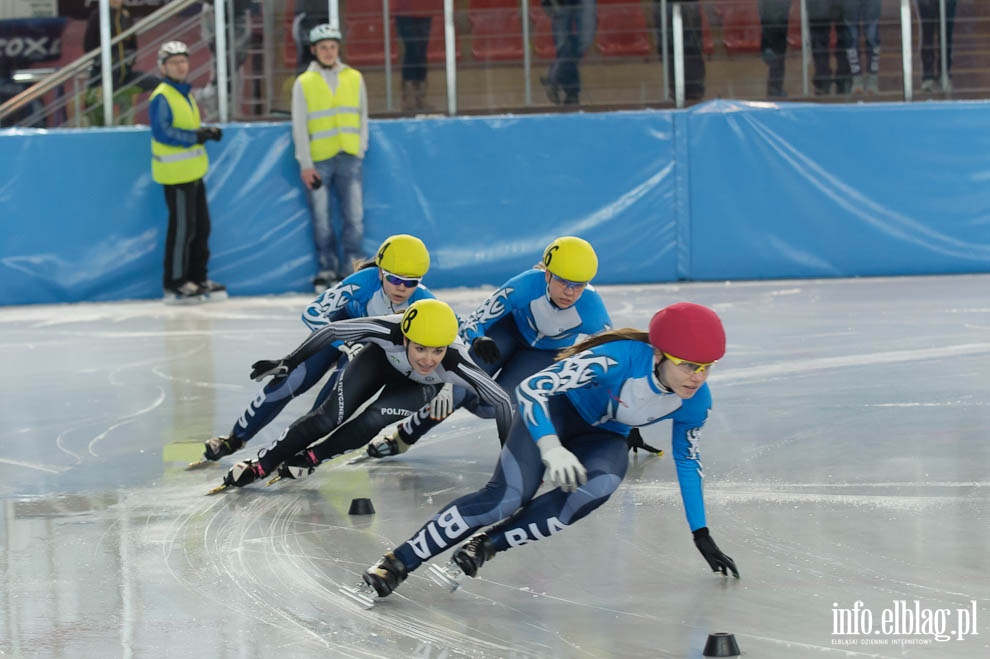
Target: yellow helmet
(403, 255)
(430, 323)
(571, 258)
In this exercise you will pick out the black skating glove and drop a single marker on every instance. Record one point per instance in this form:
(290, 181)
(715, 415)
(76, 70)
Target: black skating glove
(486, 349)
(264, 368)
(718, 561)
(208, 133)
(634, 442)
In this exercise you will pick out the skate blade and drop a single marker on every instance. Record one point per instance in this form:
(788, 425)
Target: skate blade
(358, 460)
(362, 594)
(445, 576)
(198, 464)
(219, 488)
(274, 480)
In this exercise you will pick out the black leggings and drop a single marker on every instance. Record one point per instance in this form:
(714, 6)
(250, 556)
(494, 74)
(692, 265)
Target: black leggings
(415, 34)
(368, 376)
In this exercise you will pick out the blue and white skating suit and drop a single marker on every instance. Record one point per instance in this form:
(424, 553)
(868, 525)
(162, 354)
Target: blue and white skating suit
(590, 401)
(380, 373)
(540, 323)
(529, 330)
(359, 295)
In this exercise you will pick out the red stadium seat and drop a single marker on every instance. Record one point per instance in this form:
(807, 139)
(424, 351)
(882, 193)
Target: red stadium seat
(496, 30)
(740, 26)
(622, 29)
(364, 34)
(542, 31)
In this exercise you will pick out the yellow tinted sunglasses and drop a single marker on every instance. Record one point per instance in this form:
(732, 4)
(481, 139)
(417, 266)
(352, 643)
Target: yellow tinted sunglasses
(691, 367)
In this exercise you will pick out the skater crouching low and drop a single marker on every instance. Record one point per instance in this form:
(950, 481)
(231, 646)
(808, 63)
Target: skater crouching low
(571, 427)
(404, 365)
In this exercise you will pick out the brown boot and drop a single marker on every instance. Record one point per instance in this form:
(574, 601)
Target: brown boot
(408, 95)
(421, 104)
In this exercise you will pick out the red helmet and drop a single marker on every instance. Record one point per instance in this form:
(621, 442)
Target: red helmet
(688, 331)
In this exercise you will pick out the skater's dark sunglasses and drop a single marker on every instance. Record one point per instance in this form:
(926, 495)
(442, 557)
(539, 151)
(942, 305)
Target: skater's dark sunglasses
(396, 280)
(689, 367)
(570, 285)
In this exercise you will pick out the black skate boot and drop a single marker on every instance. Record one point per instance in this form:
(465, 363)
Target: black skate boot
(298, 466)
(243, 473)
(385, 575)
(473, 554)
(218, 447)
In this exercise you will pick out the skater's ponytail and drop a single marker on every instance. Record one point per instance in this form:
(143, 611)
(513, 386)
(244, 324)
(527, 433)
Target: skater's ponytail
(623, 334)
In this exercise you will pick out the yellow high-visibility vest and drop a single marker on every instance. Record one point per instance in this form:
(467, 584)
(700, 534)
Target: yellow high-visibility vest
(171, 165)
(333, 119)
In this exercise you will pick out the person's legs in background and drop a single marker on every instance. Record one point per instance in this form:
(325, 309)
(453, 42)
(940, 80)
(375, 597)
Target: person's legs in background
(773, 42)
(415, 34)
(347, 182)
(871, 32)
(853, 12)
(320, 201)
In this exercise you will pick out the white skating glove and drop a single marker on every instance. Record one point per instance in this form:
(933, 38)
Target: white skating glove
(442, 404)
(563, 467)
(386, 445)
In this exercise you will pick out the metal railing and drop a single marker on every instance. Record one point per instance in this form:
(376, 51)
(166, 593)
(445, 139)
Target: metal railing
(70, 71)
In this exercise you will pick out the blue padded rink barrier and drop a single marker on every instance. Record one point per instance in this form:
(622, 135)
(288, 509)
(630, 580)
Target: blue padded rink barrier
(846, 473)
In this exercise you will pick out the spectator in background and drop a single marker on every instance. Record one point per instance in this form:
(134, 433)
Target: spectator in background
(694, 58)
(573, 23)
(127, 83)
(309, 14)
(412, 22)
(863, 17)
(823, 17)
(773, 43)
(179, 162)
(928, 14)
(330, 134)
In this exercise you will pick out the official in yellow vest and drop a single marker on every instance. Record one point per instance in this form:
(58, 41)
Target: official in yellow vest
(330, 134)
(179, 162)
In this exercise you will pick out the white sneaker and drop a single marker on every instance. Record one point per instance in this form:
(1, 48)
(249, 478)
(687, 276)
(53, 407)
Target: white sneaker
(928, 86)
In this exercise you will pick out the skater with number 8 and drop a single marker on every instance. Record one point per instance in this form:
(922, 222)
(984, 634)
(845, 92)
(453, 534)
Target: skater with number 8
(571, 427)
(405, 363)
(387, 284)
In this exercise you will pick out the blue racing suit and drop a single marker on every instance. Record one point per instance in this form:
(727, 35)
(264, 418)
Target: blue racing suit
(590, 401)
(529, 330)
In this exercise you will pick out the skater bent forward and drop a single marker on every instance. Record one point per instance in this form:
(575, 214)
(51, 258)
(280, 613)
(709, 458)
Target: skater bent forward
(571, 427)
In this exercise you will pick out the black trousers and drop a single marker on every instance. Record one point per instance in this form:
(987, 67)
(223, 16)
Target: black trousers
(334, 428)
(187, 248)
(415, 34)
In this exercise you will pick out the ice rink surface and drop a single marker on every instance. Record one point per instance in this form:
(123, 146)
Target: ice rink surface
(846, 472)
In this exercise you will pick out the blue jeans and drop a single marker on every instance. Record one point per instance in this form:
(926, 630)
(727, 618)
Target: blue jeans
(573, 32)
(863, 16)
(342, 174)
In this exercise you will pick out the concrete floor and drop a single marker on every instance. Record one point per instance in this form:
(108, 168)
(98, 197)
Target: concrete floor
(846, 469)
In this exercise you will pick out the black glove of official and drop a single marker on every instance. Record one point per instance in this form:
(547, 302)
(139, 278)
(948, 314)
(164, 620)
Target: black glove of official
(208, 133)
(718, 561)
(264, 368)
(486, 349)
(634, 442)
